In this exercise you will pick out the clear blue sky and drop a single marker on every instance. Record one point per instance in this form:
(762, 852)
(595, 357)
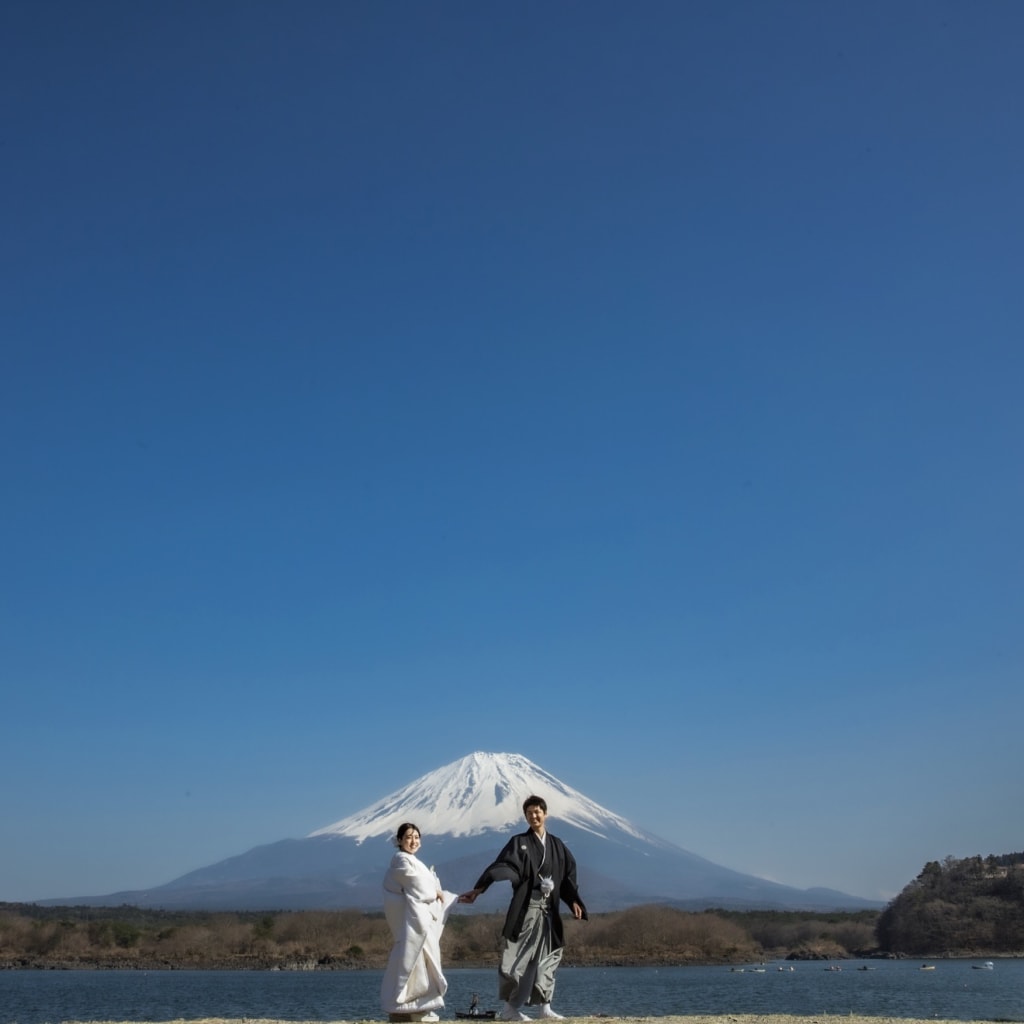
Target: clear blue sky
(636, 387)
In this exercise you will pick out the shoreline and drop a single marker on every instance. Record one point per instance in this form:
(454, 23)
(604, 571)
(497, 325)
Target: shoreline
(728, 1018)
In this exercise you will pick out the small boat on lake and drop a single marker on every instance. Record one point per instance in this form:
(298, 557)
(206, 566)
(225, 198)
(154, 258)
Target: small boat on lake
(986, 966)
(927, 967)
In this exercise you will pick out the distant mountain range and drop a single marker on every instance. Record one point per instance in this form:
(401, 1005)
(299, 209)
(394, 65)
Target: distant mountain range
(466, 811)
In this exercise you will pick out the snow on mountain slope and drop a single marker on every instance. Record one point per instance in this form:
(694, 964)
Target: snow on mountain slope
(478, 793)
(464, 810)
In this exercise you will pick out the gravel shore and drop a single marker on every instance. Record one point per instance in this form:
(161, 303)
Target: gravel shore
(738, 1018)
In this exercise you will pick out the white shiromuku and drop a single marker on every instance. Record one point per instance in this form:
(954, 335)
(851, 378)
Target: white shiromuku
(413, 980)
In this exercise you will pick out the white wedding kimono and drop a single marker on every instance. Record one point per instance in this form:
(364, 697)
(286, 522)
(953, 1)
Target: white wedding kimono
(413, 981)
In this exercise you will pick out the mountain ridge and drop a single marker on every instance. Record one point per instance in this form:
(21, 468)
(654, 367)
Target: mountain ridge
(466, 810)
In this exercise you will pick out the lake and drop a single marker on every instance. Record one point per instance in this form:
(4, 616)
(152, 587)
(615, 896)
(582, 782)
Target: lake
(875, 988)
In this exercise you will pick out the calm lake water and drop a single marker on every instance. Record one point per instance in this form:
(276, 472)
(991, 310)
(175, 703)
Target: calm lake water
(887, 988)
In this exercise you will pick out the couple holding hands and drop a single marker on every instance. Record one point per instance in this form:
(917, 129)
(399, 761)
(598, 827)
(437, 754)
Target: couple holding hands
(542, 872)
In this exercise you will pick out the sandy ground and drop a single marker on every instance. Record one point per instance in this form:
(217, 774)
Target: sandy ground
(739, 1018)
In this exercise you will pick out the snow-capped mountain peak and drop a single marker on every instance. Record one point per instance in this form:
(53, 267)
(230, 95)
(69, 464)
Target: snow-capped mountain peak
(462, 809)
(478, 793)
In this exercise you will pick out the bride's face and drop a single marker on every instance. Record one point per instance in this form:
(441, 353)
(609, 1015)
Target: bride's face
(410, 841)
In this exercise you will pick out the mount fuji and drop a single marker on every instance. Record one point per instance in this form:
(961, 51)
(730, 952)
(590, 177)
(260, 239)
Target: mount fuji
(466, 811)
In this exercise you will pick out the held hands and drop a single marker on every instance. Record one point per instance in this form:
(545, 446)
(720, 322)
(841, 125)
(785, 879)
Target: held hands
(470, 897)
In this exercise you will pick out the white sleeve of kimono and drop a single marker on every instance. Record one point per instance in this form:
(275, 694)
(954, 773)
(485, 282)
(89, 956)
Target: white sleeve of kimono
(417, 880)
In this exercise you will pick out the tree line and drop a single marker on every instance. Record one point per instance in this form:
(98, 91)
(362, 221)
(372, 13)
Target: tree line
(962, 907)
(959, 907)
(33, 936)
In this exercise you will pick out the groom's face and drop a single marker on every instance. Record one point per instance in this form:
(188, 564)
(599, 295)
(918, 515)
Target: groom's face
(535, 817)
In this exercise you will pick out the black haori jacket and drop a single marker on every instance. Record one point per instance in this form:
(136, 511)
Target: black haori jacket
(520, 863)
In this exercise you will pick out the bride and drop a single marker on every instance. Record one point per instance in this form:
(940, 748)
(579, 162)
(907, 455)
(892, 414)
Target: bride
(416, 908)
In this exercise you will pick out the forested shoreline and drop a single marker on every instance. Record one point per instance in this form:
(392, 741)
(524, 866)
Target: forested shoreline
(127, 937)
(962, 904)
(968, 907)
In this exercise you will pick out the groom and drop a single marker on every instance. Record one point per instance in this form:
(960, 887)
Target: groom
(542, 872)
